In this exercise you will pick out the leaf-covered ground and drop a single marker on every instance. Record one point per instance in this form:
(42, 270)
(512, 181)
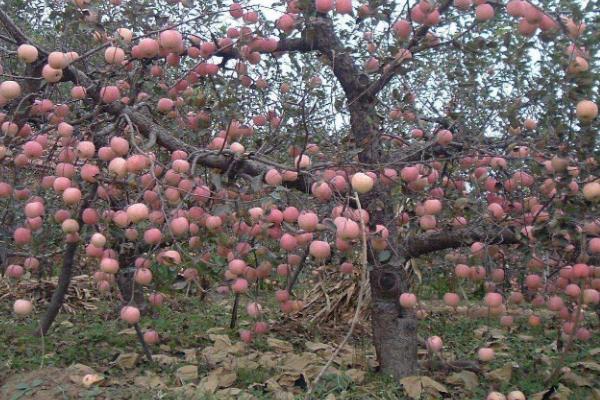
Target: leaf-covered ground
(201, 358)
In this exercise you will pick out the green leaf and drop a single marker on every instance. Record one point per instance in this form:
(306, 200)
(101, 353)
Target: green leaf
(384, 256)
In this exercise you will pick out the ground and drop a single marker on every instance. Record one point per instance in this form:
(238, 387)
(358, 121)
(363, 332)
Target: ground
(199, 357)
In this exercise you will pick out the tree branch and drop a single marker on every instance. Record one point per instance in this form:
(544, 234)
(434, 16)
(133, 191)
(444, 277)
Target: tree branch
(389, 74)
(416, 246)
(18, 35)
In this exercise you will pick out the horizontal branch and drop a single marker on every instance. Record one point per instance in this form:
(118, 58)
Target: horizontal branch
(416, 246)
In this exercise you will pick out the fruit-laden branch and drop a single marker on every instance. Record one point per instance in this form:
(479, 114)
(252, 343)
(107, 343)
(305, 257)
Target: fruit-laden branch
(389, 73)
(222, 161)
(415, 246)
(300, 45)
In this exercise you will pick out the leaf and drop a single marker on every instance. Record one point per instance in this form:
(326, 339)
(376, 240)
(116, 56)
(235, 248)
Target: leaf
(280, 345)
(187, 373)
(572, 378)
(384, 256)
(256, 183)
(502, 374)
(561, 393)
(220, 341)
(268, 360)
(357, 375)
(225, 377)
(526, 338)
(128, 331)
(78, 371)
(190, 356)
(479, 332)
(163, 359)
(149, 381)
(127, 360)
(467, 379)
(208, 384)
(21, 386)
(595, 351)
(415, 385)
(315, 346)
(298, 362)
(592, 366)
(218, 378)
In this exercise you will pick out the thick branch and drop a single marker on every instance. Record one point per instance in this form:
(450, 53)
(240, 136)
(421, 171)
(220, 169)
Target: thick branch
(416, 246)
(320, 31)
(64, 279)
(18, 35)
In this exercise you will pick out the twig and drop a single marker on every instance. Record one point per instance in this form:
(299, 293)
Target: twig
(292, 281)
(234, 311)
(140, 336)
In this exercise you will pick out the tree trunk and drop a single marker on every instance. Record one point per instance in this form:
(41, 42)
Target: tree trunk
(58, 297)
(394, 330)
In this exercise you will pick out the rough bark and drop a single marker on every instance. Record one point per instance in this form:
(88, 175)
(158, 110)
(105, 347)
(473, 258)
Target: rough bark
(416, 246)
(394, 330)
(58, 297)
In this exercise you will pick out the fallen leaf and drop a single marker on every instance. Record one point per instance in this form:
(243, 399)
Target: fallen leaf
(218, 378)
(592, 366)
(217, 329)
(594, 351)
(220, 341)
(481, 331)
(233, 394)
(561, 393)
(282, 395)
(225, 377)
(163, 359)
(596, 394)
(128, 331)
(268, 360)
(208, 384)
(247, 363)
(127, 360)
(67, 324)
(149, 381)
(467, 379)
(414, 386)
(357, 375)
(298, 362)
(190, 356)
(315, 347)
(502, 374)
(572, 378)
(280, 345)
(78, 371)
(187, 373)
(526, 338)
